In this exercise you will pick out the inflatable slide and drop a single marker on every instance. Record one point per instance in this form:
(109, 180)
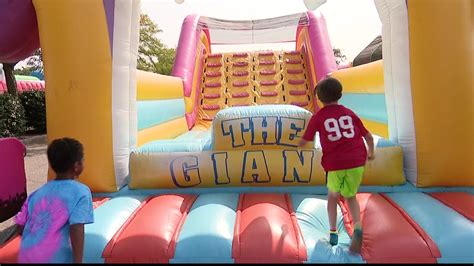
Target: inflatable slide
(203, 166)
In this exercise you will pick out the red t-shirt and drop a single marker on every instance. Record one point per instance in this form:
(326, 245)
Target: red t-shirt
(340, 133)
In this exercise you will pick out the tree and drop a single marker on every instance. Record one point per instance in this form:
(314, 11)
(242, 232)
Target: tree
(34, 64)
(339, 56)
(153, 55)
(10, 78)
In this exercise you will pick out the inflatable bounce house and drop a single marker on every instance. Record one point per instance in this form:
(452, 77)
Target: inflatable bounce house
(203, 166)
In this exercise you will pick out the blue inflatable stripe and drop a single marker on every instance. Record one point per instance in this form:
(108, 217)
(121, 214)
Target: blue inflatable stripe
(108, 218)
(368, 106)
(208, 231)
(311, 212)
(455, 244)
(155, 112)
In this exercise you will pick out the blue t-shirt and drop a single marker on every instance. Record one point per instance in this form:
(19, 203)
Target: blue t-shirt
(47, 214)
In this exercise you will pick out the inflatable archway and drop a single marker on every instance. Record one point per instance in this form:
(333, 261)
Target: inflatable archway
(196, 150)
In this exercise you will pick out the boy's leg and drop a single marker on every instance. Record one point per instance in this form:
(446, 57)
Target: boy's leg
(333, 183)
(349, 191)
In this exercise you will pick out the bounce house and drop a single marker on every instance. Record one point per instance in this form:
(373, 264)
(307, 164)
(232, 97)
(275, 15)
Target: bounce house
(203, 165)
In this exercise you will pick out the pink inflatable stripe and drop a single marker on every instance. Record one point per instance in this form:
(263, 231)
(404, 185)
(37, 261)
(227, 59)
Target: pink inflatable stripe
(214, 64)
(240, 55)
(240, 94)
(296, 81)
(266, 53)
(270, 62)
(240, 104)
(214, 55)
(212, 84)
(207, 118)
(293, 61)
(300, 103)
(268, 83)
(211, 107)
(294, 71)
(268, 93)
(296, 92)
(213, 74)
(292, 52)
(240, 73)
(240, 64)
(267, 72)
(240, 83)
(212, 95)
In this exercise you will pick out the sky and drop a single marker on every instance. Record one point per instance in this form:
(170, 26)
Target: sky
(352, 24)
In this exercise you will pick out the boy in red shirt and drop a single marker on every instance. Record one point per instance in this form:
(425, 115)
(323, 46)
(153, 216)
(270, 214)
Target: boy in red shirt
(344, 154)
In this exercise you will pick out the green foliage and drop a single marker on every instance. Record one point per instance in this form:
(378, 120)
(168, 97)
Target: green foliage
(12, 116)
(34, 105)
(34, 63)
(153, 55)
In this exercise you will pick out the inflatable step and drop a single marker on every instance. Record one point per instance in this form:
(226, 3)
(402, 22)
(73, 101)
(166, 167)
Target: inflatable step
(452, 232)
(214, 64)
(269, 93)
(267, 72)
(390, 236)
(211, 95)
(240, 83)
(297, 92)
(240, 64)
(214, 56)
(292, 52)
(150, 234)
(293, 61)
(266, 230)
(294, 71)
(266, 62)
(268, 83)
(240, 55)
(300, 104)
(108, 219)
(311, 213)
(212, 84)
(213, 74)
(210, 107)
(240, 73)
(461, 202)
(296, 81)
(208, 231)
(240, 94)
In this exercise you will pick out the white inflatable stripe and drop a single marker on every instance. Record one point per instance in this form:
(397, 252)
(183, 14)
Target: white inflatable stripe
(395, 51)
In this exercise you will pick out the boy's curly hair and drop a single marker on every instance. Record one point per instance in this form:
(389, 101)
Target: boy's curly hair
(63, 153)
(329, 90)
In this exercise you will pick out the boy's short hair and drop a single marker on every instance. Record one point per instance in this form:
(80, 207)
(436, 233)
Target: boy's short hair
(63, 153)
(329, 90)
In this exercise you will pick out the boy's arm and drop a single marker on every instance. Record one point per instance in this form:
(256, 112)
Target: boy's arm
(302, 142)
(19, 229)
(370, 143)
(77, 241)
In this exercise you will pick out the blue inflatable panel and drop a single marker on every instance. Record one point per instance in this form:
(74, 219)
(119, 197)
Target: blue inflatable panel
(151, 113)
(108, 218)
(367, 105)
(208, 231)
(311, 212)
(456, 244)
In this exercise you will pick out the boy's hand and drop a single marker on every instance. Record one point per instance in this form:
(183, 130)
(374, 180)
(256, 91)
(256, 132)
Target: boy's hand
(370, 156)
(302, 142)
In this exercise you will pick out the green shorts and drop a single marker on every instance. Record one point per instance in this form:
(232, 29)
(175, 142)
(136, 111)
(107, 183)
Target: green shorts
(345, 181)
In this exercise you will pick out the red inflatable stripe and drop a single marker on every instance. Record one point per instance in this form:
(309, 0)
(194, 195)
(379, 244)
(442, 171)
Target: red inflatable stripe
(388, 236)
(240, 94)
(271, 62)
(294, 71)
(240, 64)
(214, 64)
(212, 84)
(266, 230)
(214, 55)
(292, 52)
(296, 92)
(461, 202)
(268, 83)
(213, 74)
(240, 83)
(268, 93)
(151, 232)
(296, 81)
(212, 95)
(240, 73)
(240, 55)
(211, 107)
(267, 72)
(293, 61)
(265, 53)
